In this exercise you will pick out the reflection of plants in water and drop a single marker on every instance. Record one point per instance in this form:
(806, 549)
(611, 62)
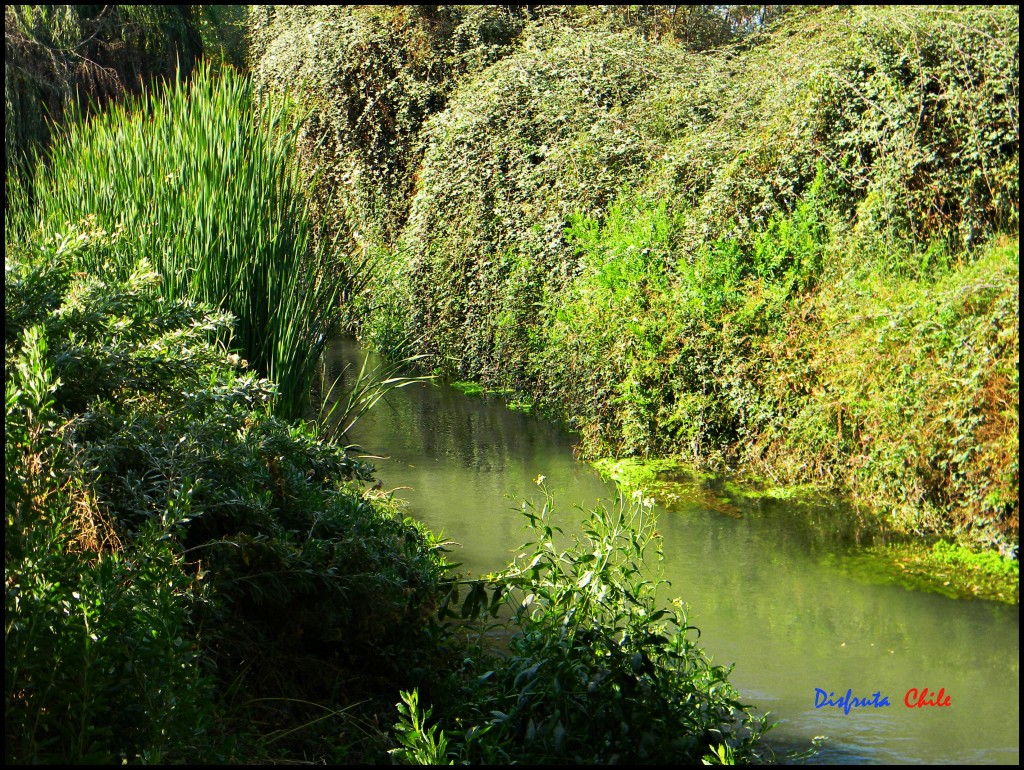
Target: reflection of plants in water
(595, 671)
(338, 415)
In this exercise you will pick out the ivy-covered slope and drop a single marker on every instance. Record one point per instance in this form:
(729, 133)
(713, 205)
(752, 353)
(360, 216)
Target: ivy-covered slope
(371, 75)
(796, 256)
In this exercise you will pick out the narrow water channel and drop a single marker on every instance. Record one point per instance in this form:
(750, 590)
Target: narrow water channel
(768, 589)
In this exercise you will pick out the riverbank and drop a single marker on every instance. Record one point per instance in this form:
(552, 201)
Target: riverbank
(188, 562)
(796, 257)
(872, 550)
(197, 574)
(777, 591)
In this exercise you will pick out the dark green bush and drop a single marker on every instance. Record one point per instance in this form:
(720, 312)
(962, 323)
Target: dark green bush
(181, 565)
(100, 662)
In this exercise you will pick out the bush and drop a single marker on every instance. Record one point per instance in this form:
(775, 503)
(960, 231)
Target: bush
(181, 564)
(595, 673)
(371, 76)
(100, 664)
(917, 403)
(548, 134)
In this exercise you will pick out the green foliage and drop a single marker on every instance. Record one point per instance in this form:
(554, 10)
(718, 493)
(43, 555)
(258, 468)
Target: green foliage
(671, 251)
(611, 315)
(371, 76)
(624, 256)
(595, 672)
(544, 134)
(202, 182)
(420, 745)
(99, 664)
(468, 388)
(182, 566)
(692, 27)
(789, 252)
(916, 147)
(951, 553)
(918, 381)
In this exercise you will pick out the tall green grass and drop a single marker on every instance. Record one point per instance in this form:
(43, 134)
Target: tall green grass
(201, 179)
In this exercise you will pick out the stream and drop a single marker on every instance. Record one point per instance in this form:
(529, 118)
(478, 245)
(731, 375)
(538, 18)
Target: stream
(770, 587)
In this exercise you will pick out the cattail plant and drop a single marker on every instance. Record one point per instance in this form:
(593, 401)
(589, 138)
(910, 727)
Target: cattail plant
(201, 179)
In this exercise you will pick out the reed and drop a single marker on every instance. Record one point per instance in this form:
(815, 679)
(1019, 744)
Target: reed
(201, 179)
(339, 414)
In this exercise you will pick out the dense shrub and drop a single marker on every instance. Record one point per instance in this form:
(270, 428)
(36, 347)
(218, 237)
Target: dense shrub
(371, 76)
(917, 406)
(98, 663)
(542, 135)
(654, 245)
(909, 110)
(180, 564)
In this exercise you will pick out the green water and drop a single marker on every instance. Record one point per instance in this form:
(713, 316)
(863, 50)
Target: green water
(768, 589)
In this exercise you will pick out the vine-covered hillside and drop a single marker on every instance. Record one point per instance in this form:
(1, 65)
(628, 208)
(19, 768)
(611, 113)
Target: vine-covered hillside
(796, 255)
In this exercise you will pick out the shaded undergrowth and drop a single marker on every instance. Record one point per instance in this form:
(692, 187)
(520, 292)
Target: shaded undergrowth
(182, 567)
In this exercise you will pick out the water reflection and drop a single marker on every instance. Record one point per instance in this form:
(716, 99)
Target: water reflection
(767, 589)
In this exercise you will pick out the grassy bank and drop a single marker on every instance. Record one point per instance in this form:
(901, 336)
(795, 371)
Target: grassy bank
(200, 180)
(796, 257)
(865, 545)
